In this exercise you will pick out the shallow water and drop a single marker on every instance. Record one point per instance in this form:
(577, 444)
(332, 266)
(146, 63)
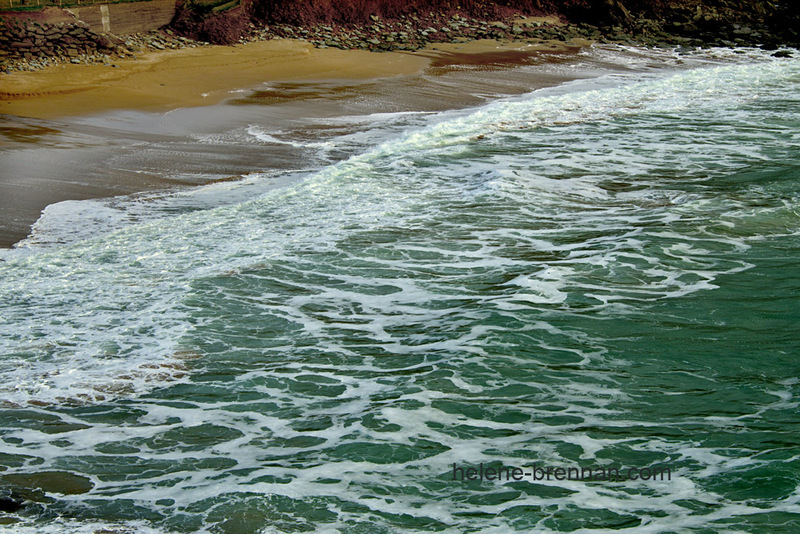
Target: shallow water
(596, 275)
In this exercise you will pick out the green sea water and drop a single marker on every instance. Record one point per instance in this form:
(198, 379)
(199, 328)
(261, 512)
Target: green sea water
(601, 275)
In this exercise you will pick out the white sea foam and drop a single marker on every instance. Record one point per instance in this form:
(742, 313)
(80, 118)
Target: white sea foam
(445, 297)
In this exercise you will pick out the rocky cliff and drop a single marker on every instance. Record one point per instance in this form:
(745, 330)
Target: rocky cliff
(715, 22)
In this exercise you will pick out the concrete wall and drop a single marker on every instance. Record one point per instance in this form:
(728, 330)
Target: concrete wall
(127, 18)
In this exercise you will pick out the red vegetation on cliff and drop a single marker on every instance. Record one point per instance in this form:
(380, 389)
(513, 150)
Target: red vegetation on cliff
(686, 16)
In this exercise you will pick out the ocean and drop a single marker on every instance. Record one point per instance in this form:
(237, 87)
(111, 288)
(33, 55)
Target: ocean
(571, 309)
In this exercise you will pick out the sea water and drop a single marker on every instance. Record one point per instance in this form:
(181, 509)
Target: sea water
(601, 275)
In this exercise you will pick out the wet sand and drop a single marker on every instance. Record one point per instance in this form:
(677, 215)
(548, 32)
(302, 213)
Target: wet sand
(81, 132)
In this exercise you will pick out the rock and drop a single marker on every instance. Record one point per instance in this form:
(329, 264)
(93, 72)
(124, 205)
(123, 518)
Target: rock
(9, 506)
(51, 482)
(782, 53)
(103, 41)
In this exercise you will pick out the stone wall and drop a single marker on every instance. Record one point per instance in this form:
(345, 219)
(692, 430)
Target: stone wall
(126, 18)
(31, 39)
(78, 34)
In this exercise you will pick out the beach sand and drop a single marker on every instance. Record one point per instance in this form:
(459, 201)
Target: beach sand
(160, 81)
(76, 132)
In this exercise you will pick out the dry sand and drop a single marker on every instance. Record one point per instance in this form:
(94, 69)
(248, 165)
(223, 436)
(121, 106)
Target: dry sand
(160, 81)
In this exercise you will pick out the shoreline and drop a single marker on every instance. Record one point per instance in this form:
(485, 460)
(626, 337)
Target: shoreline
(129, 134)
(55, 68)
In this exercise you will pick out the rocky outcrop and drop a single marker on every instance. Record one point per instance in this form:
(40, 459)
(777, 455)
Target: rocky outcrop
(415, 32)
(403, 25)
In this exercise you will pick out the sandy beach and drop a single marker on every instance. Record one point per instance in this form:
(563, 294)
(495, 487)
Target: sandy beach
(160, 81)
